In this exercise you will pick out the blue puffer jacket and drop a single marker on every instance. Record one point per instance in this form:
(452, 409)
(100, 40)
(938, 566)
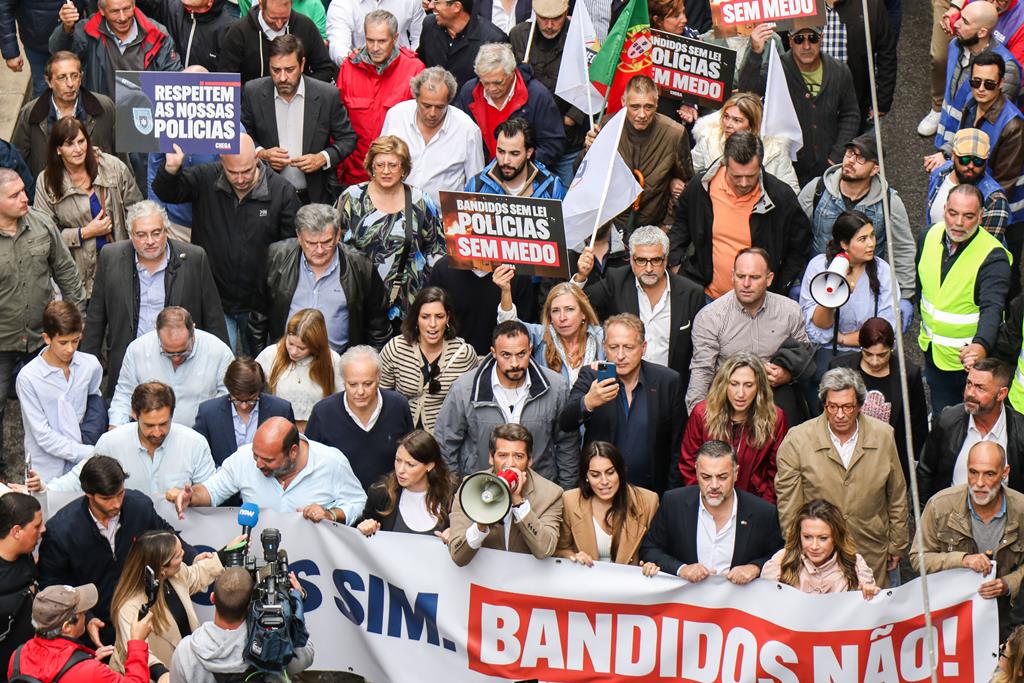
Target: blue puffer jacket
(35, 20)
(545, 185)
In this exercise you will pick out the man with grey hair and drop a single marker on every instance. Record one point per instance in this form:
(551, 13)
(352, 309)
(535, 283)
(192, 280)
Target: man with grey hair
(139, 277)
(371, 81)
(453, 34)
(346, 27)
(501, 91)
(313, 270)
(850, 460)
(444, 142)
(664, 301)
(362, 420)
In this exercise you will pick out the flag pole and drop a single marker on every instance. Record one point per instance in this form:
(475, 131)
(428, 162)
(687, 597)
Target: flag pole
(607, 183)
(529, 40)
(586, 69)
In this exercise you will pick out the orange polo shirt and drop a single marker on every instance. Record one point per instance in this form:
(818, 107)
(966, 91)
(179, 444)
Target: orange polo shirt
(730, 230)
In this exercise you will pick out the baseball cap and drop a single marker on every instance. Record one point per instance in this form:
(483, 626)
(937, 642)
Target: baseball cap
(549, 9)
(55, 605)
(813, 29)
(971, 142)
(866, 145)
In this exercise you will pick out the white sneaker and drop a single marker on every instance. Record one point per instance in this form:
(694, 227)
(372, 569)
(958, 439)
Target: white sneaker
(929, 124)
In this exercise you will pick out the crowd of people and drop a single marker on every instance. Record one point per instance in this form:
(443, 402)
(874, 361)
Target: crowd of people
(283, 326)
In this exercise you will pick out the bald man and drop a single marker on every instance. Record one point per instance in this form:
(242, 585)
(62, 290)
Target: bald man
(282, 470)
(239, 208)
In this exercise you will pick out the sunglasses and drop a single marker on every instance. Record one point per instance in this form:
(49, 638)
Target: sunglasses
(434, 382)
(967, 161)
(799, 39)
(987, 83)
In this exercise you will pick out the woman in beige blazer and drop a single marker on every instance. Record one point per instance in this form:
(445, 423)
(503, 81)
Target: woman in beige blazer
(606, 518)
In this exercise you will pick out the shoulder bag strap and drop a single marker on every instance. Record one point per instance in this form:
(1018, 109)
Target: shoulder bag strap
(396, 288)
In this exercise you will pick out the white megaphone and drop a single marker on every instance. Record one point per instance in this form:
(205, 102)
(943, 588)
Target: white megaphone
(486, 498)
(829, 288)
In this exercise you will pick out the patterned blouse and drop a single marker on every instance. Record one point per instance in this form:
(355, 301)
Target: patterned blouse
(381, 237)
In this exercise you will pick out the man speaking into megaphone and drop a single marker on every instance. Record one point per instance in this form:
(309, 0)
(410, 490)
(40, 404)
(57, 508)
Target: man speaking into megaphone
(508, 506)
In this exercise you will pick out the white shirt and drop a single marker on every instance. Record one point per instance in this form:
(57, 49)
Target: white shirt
(412, 505)
(295, 384)
(510, 401)
(511, 90)
(373, 416)
(345, 28)
(937, 212)
(270, 33)
(183, 458)
(475, 537)
(657, 323)
(502, 19)
(973, 436)
(604, 543)
(715, 546)
(327, 480)
(52, 408)
(109, 531)
(845, 450)
(453, 156)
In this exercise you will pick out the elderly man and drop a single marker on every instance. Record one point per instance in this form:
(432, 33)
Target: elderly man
(533, 522)
(963, 276)
(502, 91)
(118, 37)
(371, 81)
(713, 527)
(63, 96)
(362, 418)
(513, 170)
(138, 278)
(239, 207)
(849, 459)
(453, 34)
(666, 303)
(190, 361)
(969, 165)
(444, 142)
(30, 243)
(975, 524)
(346, 27)
(285, 471)
(300, 128)
(316, 271)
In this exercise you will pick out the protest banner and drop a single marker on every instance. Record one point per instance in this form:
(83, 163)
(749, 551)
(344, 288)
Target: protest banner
(739, 17)
(393, 606)
(692, 70)
(197, 111)
(483, 231)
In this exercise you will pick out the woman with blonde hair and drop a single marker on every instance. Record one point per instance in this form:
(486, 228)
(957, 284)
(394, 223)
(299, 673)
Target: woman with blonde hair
(1011, 659)
(740, 411)
(819, 556)
(741, 112)
(569, 335)
(302, 368)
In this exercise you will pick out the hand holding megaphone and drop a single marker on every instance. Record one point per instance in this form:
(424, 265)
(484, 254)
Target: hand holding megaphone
(486, 497)
(829, 288)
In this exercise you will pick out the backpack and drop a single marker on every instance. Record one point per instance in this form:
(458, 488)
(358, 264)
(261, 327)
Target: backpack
(18, 677)
(250, 675)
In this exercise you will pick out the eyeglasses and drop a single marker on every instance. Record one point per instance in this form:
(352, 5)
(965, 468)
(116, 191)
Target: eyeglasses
(174, 355)
(68, 78)
(969, 161)
(244, 402)
(853, 153)
(988, 83)
(656, 261)
(386, 165)
(845, 408)
(799, 38)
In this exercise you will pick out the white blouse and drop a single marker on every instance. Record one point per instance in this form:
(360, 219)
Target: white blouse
(604, 543)
(295, 385)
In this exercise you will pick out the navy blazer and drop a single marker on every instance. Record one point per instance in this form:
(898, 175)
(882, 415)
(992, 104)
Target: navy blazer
(214, 422)
(671, 540)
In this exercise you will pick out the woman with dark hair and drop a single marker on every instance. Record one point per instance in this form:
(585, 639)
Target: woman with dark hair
(606, 518)
(871, 284)
(416, 496)
(423, 361)
(1011, 659)
(86, 192)
(879, 366)
(819, 556)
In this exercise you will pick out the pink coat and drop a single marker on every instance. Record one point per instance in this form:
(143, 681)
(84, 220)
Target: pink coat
(828, 578)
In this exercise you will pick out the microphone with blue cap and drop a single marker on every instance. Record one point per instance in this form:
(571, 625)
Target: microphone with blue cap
(234, 555)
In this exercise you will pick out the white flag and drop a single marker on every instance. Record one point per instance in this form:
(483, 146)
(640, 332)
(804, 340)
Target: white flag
(581, 45)
(601, 169)
(780, 117)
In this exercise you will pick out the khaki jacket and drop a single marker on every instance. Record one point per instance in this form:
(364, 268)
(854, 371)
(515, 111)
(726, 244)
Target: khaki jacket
(871, 494)
(70, 211)
(536, 533)
(578, 526)
(189, 580)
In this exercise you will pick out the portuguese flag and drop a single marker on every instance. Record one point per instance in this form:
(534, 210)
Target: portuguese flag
(625, 53)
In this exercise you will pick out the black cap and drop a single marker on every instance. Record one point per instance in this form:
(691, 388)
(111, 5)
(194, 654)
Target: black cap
(866, 145)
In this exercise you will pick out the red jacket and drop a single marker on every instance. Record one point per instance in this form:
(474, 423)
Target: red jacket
(757, 466)
(43, 659)
(368, 95)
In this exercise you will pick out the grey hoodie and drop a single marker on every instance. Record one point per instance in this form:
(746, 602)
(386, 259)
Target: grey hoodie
(212, 649)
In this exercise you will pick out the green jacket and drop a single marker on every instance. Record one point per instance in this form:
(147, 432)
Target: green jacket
(314, 9)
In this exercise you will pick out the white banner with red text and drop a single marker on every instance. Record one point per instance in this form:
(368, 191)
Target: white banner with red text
(394, 607)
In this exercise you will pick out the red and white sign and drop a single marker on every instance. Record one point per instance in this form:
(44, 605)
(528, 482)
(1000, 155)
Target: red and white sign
(739, 17)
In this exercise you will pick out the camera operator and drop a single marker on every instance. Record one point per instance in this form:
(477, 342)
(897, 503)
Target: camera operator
(21, 527)
(215, 650)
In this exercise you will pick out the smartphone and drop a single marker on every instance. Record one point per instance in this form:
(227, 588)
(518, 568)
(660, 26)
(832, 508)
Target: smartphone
(151, 587)
(605, 370)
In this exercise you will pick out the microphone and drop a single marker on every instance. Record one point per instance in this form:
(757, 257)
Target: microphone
(248, 518)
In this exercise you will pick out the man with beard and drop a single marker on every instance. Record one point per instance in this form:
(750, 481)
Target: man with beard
(969, 165)
(282, 470)
(513, 171)
(983, 416)
(712, 528)
(976, 523)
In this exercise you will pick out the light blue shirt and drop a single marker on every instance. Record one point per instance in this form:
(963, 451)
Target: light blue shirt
(184, 457)
(199, 378)
(245, 432)
(52, 408)
(151, 293)
(327, 479)
(327, 296)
